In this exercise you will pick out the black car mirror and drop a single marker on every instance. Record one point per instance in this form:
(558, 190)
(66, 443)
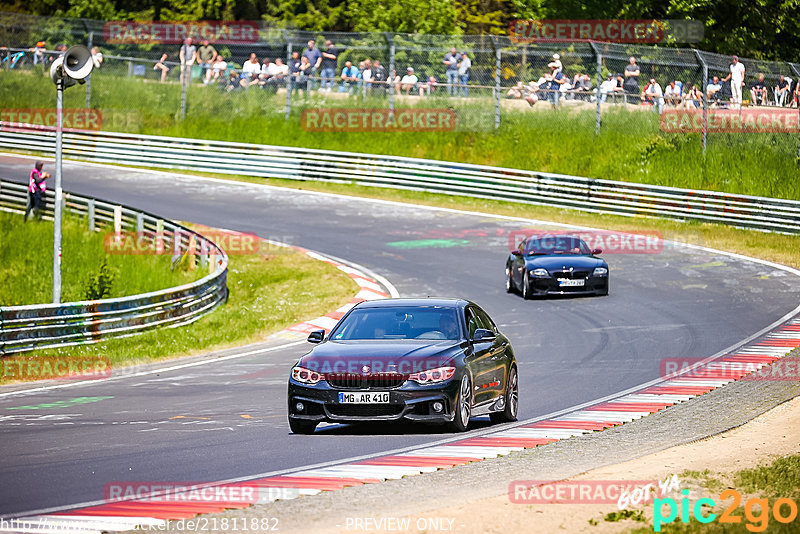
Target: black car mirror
(516, 253)
(483, 335)
(597, 251)
(316, 336)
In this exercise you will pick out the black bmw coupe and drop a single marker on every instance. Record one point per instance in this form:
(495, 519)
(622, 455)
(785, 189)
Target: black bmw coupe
(556, 265)
(431, 360)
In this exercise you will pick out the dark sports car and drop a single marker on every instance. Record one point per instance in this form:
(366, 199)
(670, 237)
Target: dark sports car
(431, 360)
(556, 265)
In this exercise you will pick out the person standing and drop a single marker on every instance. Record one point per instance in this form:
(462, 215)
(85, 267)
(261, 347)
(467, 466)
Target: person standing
(736, 76)
(451, 63)
(330, 60)
(187, 56)
(314, 57)
(631, 84)
(463, 72)
(206, 55)
(36, 191)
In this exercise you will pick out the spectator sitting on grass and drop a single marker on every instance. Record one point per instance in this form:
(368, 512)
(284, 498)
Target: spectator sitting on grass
(530, 93)
(582, 87)
(781, 91)
(306, 69)
(516, 91)
(97, 57)
(694, 98)
(609, 86)
(217, 70)
(235, 82)
(673, 95)
(263, 74)
(653, 95)
(161, 65)
(713, 90)
(278, 71)
(251, 69)
(428, 86)
(758, 91)
(378, 74)
(350, 77)
(408, 82)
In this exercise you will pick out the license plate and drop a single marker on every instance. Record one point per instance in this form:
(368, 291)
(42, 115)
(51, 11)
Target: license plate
(571, 283)
(363, 397)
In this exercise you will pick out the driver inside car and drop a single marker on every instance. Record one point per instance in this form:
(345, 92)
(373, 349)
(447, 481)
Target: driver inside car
(448, 327)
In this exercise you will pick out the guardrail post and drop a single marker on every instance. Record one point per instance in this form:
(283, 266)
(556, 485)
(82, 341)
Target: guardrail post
(497, 73)
(597, 113)
(139, 222)
(159, 236)
(797, 73)
(705, 98)
(176, 245)
(203, 253)
(117, 220)
(90, 214)
(390, 77)
(289, 81)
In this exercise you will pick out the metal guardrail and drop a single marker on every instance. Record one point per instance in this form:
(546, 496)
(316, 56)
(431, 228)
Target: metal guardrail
(600, 196)
(25, 328)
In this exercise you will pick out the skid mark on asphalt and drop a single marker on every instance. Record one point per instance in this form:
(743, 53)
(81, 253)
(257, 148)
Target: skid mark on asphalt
(61, 404)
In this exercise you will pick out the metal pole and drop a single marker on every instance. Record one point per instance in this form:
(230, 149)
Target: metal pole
(89, 78)
(797, 73)
(390, 77)
(597, 116)
(185, 73)
(289, 81)
(705, 98)
(497, 73)
(59, 193)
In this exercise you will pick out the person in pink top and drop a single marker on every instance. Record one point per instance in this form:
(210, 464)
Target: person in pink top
(36, 191)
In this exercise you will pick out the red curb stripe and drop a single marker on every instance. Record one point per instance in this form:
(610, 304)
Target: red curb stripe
(749, 358)
(629, 406)
(422, 461)
(504, 442)
(678, 390)
(581, 425)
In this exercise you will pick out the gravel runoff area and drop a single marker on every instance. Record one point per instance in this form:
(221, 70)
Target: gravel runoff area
(708, 415)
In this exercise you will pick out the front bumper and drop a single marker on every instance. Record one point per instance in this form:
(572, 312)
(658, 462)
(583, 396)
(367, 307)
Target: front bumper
(593, 285)
(410, 401)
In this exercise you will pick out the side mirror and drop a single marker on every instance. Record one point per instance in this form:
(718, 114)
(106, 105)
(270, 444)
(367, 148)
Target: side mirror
(483, 335)
(316, 336)
(516, 252)
(597, 251)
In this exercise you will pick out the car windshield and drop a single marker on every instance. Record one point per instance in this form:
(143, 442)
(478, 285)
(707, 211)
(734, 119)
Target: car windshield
(557, 244)
(420, 322)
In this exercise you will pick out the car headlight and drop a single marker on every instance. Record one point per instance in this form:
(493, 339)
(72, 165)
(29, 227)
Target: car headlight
(306, 376)
(440, 374)
(600, 271)
(540, 272)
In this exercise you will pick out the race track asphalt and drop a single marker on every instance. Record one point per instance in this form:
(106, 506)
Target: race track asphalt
(227, 419)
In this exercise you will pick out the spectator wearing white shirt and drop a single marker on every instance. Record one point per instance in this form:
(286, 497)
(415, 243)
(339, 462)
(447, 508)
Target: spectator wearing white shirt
(653, 95)
(408, 82)
(251, 69)
(217, 70)
(608, 87)
(464, 67)
(97, 57)
(673, 95)
(736, 76)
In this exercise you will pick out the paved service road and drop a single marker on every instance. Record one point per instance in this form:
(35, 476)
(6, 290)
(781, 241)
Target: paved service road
(227, 419)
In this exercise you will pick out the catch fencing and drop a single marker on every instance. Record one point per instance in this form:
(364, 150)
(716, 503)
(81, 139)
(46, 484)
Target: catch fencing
(41, 326)
(505, 77)
(600, 196)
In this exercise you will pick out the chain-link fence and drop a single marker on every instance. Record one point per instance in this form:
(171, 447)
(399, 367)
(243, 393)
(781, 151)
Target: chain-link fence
(330, 81)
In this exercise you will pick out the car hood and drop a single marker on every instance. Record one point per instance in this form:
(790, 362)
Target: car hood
(556, 263)
(381, 356)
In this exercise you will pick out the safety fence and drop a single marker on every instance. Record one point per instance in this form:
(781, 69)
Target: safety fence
(601, 196)
(385, 71)
(40, 326)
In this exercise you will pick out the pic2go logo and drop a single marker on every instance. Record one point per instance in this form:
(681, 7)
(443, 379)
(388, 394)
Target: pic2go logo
(756, 511)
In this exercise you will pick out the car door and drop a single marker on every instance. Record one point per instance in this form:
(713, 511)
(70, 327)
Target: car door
(480, 360)
(497, 362)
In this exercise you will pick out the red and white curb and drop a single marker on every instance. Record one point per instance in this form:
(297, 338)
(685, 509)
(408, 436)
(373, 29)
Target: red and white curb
(125, 515)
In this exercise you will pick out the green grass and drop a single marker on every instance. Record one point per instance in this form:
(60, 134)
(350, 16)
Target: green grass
(26, 264)
(267, 292)
(630, 146)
